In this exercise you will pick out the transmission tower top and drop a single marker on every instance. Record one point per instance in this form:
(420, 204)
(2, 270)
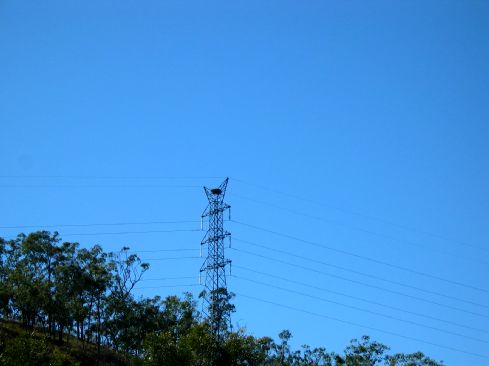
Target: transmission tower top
(216, 305)
(217, 193)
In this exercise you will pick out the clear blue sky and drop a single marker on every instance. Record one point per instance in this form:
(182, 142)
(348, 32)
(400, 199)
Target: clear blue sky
(376, 113)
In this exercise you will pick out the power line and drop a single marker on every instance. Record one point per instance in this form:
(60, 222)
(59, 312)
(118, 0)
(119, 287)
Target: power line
(351, 212)
(166, 250)
(168, 286)
(362, 299)
(168, 258)
(167, 278)
(362, 309)
(101, 224)
(102, 177)
(97, 186)
(363, 283)
(364, 326)
(356, 213)
(312, 260)
(363, 257)
(132, 232)
(360, 229)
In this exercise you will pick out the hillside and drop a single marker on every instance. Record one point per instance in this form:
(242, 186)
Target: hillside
(63, 305)
(19, 346)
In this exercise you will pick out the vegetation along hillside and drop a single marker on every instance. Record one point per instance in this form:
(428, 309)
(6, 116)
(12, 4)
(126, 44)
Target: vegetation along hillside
(65, 305)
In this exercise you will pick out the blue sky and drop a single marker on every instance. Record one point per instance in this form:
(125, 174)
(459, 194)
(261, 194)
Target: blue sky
(360, 126)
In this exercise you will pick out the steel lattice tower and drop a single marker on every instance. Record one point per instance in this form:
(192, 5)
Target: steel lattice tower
(215, 263)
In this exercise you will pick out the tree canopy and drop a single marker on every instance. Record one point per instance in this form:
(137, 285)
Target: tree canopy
(60, 292)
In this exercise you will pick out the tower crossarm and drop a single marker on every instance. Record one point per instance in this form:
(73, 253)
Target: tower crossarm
(214, 238)
(214, 210)
(214, 266)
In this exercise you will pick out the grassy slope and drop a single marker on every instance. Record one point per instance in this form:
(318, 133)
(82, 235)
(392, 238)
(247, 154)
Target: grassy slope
(74, 350)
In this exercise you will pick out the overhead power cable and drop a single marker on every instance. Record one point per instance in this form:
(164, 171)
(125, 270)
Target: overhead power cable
(363, 257)
(363, 326)
(167, 278)
(362, 283)
(359, 214)
(101, 224)
(168, 258)
(98, 186)
(132, 232)
(165, 250)
(102, 177)
(363, 299)
(363, 230)
(364, 274)
(169, 286)
(362, 309)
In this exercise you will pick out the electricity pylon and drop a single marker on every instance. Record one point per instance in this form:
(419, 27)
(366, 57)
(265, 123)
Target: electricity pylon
(216, 305)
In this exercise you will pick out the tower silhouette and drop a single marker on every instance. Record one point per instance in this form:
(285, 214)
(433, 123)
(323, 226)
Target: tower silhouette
(215, 305)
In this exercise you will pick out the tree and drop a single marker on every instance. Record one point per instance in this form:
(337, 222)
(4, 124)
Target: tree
(164, 349)
(40, 251)
(413, 359)
(363, 353)
(282, 349)
(120, 316)
(314, 357)
(98, 279)
(179, 315)
(128, 270)
(25, 350)
(202, 347)
(69, 284)
(53, 287)
(5, 292)
(241, 349)
(220, 309)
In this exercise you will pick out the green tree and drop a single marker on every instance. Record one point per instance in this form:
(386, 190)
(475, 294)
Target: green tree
(5, 293)
(314, 357)
(98, 279)
(121, 308)
(69, 285)
(412, 359)
(164, 349)
(363, 353)
(241, 349)
(40, 252)
(24, 350)
(220, 308)
(179, 315)
(203, 348)
(54, 287)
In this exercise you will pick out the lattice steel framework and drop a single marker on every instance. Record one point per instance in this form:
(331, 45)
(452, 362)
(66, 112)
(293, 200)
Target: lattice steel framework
(215, 263)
